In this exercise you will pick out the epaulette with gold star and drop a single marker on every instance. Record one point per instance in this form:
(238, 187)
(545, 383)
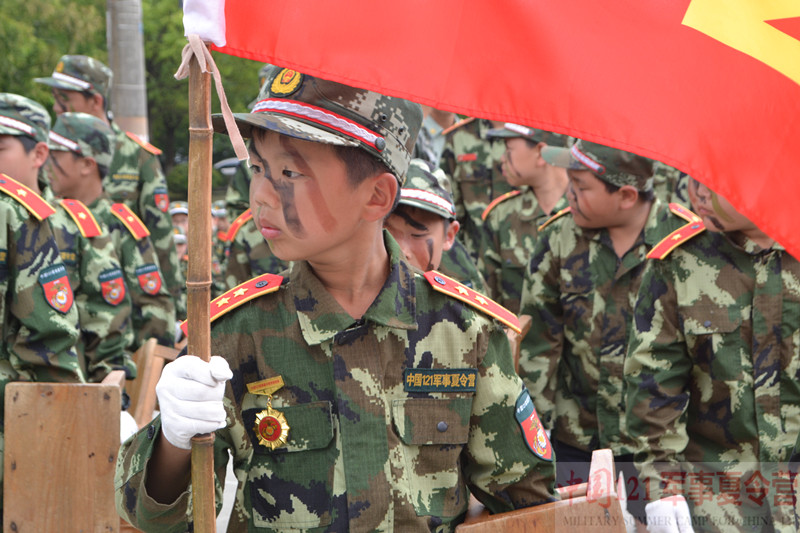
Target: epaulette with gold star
(82, 217)
(227, 301)
(442, 283)
(144, 144)
(35, 204)
(684, 213)
(237, 224)
(500, 199)
(553, 218)
(131, 221)
(675, 239)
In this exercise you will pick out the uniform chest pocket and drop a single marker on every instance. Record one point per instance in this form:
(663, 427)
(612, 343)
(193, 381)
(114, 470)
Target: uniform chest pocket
(292, 485)
(714, 338)
(433, 433)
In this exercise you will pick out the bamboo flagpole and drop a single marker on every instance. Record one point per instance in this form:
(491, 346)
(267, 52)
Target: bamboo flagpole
(198, 64)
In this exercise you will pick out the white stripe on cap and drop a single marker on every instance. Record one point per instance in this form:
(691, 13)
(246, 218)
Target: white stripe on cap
(428, 197)
(17, 125)
(522, 130)
(66, 143)
(71, 79)
(320, 116)
(586, 160)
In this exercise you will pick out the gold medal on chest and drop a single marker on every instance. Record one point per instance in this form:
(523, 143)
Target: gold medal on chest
(271, 426)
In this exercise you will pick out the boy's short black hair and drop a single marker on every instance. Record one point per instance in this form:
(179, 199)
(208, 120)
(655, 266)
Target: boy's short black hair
(28, 143)
(645, 196)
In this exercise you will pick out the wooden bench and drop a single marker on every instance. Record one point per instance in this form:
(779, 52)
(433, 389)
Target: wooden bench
(150, 359)
(592, 507)
(61, 443)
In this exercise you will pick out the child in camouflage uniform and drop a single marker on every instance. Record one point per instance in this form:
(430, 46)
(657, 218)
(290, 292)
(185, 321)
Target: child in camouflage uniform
(713, 373)
(361, 396)
(77, 140)
(40, 322)
(511, 221)
(424, 225)
(584, 274)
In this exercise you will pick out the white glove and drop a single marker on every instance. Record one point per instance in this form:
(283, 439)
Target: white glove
(190, 395)
(127, 426)
(669, 515)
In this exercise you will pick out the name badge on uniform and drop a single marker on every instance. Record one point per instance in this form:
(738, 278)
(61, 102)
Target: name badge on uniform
(439, 379)
(271, 426)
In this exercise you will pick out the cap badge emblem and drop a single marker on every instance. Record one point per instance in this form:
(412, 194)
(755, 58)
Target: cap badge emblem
(285, 82)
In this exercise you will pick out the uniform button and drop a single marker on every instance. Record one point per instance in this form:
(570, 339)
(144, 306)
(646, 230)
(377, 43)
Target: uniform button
(151, 432)
(707, 323)
(442, 426)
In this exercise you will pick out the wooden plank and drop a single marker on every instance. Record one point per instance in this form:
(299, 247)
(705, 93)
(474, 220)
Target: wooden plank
(61, 443)
(593, 508)
(142, 390)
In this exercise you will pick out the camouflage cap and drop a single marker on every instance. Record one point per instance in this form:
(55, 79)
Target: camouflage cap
(428, 188)
(80, 73)
(219, 209)
(314, 109)
(262, 77)
(611, 165)
(511, 130)
(23, 116)
(178, 208)
(85, 135)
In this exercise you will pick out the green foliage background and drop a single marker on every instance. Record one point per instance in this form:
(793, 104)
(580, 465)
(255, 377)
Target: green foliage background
(34, 34)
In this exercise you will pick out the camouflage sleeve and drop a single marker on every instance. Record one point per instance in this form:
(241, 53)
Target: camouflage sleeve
(133, 502)
(500, 469)
(657, 373)
(237, 267)
(154, 307)
(250, 256)
(541, 349)
(489, 261)
(104, 309)
(38, 338)
(160, 226)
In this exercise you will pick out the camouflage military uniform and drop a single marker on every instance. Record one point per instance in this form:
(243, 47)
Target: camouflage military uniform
(670, 184)
(237, 195)
(473, 164)
(101, 298)
(458, 264)
(580, 295)
(39, 337)
(368, 449)
(713, 381)
(510, 230)
(135, 179)
(248, 253)
(153, 309)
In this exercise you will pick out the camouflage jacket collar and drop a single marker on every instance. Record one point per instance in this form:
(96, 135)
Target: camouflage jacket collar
(653, 229)
(742, 243)
(321, 317)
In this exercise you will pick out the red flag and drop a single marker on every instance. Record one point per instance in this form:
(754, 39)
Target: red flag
(711, 87)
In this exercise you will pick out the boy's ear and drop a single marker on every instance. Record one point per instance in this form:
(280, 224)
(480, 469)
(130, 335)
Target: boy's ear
(629, 196)
(382, 196)
(40, 154)
(451, 229)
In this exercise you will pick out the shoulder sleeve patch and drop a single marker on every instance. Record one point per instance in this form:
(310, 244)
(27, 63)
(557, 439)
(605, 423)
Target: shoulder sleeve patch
(532, 430)
(141, 142)
(227, 301)
(683, 212)
(494, 203)
(675, 239)
(554, 218)
(131, 221)
(442, 283)
(237, 224)
(82, 217)
(35, 204)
